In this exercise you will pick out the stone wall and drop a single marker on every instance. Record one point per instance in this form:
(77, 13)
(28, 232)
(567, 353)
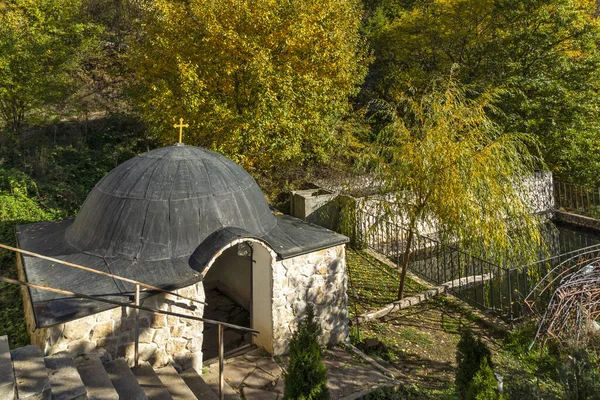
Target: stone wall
(323, 206)
(578, 220)
(163, 339)
(318, 278)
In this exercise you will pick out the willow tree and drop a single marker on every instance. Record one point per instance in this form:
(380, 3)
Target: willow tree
(543, 55)
(265, 82)
(441, 159)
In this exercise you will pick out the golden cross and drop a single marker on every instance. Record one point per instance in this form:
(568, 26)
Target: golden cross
(181, 126)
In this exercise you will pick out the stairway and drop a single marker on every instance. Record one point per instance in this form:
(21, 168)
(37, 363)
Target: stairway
(26, 374)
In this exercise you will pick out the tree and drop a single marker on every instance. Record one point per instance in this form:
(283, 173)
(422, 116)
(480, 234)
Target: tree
(441, 160)
(471, 353)
(484, 385)
(264, 82)
(306, 376)
(541, 57)
(41, 45)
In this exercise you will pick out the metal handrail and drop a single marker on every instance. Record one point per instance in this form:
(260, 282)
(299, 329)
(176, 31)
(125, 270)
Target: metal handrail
(138, 307)
(92, 270)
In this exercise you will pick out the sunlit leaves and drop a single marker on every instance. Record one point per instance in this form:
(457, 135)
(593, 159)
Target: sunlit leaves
(41, 44)
(442, 160)
(264, 82)
(541, 57)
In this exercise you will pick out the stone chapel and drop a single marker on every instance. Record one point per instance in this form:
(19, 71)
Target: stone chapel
(188, 220)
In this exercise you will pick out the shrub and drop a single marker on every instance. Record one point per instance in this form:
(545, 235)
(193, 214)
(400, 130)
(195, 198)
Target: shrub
(470, 354)
(306, 377)
(580, 376)
(484, 384)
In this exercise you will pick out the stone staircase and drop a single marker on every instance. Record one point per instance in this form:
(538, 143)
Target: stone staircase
(26, 374)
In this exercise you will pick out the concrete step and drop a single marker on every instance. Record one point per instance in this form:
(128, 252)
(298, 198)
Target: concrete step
(95, 378)
(124, 381)
(211, 377)
(30, 373)
(64, 378)
(7, 376)
(175, 384)
(151, 383)
(197, 385)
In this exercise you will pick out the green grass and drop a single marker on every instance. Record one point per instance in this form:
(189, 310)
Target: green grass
(373, 284)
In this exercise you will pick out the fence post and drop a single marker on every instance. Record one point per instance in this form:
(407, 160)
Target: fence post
(137, 326)
(220, 362)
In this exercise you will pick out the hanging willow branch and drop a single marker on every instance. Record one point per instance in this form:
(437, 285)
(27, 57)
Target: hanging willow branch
(573, 289)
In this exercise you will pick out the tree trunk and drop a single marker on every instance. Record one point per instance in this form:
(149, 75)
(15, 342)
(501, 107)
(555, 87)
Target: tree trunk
(405, 263)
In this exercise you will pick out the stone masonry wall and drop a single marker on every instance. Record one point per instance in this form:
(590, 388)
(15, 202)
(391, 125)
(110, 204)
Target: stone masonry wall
(163, 339)
(318, 278)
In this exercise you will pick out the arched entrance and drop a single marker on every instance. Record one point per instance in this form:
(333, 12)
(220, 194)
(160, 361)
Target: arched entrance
(238, 290)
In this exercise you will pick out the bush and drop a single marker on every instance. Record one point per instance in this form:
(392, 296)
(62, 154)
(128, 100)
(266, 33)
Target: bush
(391, 393)
(306, 377)
(470, 354)
(484, 384)
(580, 376)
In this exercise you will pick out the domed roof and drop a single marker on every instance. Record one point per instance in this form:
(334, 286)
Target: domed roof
(159, 218)
(164, 203)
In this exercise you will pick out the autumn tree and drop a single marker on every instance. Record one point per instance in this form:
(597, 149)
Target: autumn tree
(42, 43)
(265, 82)
(541, 57)
(441, 160)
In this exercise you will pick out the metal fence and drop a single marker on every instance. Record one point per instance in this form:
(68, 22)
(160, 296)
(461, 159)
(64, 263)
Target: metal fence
(577, 198)
(533, 281)
(498, 289)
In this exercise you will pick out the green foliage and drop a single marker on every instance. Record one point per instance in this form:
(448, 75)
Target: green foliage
(541, 56)
(441, 160)
(306, 377)
(42, 43)
(580, 375)
(20, 203)
(264, 82)
(391, 393)
(470, 356)
(484, 385)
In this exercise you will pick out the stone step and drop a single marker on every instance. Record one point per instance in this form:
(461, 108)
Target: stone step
(64, 378)
(175, 384)
(211, 377)
(150, 382)
(30, 373)
(7, 376)
(197, 385)
(124, 381)
(95, 378)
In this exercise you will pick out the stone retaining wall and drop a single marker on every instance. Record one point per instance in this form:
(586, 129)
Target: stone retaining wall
(579, 220)
(163, 339)
(318, 278)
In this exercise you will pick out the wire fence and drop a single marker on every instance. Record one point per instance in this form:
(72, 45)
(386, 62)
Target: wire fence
(577, 198)
(494, 288)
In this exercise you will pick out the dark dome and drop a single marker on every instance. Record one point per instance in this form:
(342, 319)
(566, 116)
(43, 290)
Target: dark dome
(164, 203)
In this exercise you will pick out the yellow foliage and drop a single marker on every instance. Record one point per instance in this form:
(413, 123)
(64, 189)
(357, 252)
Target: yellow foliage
(261, 81)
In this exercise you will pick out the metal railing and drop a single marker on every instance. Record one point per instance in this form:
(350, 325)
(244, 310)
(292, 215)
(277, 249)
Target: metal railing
(135, 305)
(470, 278)
(498, 289)
(579, 199)
(549, 272)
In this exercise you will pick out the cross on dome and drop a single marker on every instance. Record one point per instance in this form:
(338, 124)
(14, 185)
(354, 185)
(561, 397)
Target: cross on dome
(181, 126)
